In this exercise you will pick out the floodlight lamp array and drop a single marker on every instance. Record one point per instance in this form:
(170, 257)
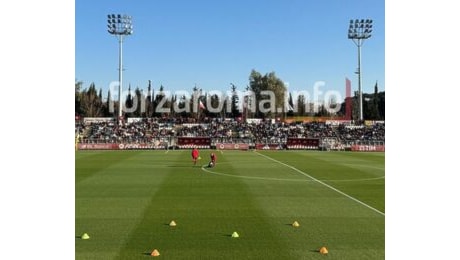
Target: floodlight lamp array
(360, 29)
(119, 24)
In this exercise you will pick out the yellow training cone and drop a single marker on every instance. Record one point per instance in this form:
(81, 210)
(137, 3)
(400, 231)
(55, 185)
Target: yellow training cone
(296, 224)
(235, 234)
(172, 223)
(155, 253)
(323, 250)
(85, 236)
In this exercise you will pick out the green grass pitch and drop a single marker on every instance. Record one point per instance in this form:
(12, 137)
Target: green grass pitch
(125, 200)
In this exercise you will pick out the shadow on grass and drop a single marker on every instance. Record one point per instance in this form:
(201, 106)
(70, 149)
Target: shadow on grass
(172, 227)
(225, 235)
(229, 235)
(290, 224)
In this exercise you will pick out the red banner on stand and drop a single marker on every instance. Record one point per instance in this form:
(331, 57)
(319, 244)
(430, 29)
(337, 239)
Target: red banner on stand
(368, 148)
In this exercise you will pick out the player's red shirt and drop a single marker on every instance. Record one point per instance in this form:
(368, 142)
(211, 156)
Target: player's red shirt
(195, 153)
(213, 157)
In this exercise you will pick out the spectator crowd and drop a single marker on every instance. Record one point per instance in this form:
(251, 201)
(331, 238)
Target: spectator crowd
(150, 130)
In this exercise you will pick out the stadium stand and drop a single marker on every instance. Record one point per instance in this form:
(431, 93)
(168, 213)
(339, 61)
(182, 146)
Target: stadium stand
(296, 135)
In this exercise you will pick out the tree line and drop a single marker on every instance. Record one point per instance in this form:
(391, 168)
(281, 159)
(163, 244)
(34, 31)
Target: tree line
(89, 102)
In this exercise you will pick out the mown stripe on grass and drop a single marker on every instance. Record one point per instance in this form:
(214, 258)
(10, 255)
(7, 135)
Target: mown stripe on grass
(329, 166)
(92, 163)
(207, 209)
(372, 193)
(326, 217)
(127, 219)
(324, 184)
(111, 203)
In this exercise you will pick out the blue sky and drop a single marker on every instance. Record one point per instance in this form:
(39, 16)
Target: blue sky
(181, 43)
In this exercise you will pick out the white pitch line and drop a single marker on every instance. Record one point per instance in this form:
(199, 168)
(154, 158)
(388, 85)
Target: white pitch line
(320, 182)
(365, 166)
(249, 177)
(277, 179)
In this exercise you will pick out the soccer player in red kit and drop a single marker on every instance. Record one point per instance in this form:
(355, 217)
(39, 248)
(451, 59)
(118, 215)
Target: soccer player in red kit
(195, 155)
(213, 160)
(213, 157)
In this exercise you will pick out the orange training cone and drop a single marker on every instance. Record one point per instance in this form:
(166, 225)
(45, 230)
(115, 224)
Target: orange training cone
(155, 253)
(172, 223)
(323, 250)
(296, 224)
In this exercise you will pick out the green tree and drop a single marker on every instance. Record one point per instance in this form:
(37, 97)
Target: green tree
(171, 104)
(78, 96)
(106, 105)
(381, 105)
(149, 106)
(129, 102)
(235, 102)
(256, 85)
(140, 99)
(156, 101)
(355, 106)
(375, 101)
(290, 111)
(301, 105)
(90, 103)
(214, 102)
(268, 82)
(276, 85)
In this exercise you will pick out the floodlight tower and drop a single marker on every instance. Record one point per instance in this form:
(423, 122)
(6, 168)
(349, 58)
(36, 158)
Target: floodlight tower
(358, 31)
(120, 26)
